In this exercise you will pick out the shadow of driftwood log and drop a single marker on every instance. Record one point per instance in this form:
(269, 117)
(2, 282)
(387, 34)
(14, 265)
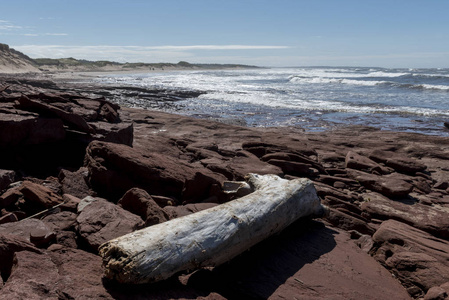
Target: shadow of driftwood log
(256, 274)
(259, 272)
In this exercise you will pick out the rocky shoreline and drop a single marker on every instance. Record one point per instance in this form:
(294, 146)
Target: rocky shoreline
(76, 170)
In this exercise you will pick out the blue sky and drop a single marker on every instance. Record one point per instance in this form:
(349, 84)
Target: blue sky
(393, 33)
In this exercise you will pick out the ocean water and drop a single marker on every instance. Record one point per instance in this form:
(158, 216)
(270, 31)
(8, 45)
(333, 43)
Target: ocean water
(313, 98)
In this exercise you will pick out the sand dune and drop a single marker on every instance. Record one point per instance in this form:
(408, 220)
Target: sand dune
(12, 61)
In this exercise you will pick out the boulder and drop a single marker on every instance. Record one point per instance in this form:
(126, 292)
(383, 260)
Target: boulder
(39, 195)
(139, 202)
(115, 169)
(101, 221)
(424, 217)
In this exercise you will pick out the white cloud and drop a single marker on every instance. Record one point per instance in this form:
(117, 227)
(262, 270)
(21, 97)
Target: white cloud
(7, 26)
(246, 54)
(56, 34)
(131, 53)
(218, 47)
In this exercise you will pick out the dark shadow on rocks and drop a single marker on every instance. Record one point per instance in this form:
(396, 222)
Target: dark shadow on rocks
(259, 272)
(408, 201)
(256, 274)
(171, 288)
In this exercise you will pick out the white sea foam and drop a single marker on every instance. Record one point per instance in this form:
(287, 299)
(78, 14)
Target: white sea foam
(321, 80)
(434, 87)
(385, 74)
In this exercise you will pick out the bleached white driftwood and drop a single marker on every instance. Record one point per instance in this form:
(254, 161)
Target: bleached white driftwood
(213, 236)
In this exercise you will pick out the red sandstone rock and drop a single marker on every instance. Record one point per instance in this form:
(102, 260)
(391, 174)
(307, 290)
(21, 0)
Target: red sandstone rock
(400, 163)
(427, 218)
(102, 221)
(74, 183)
(39, 195)
(60, 221)
(8, 218)
(293, 168)
(9, 244)
(10, 197)
(109, 113)
(338, 203)
(67, 239)
(388, 185)
(306, 261)
(71, 119)
(114, 169)
(285, 156)
(436, 293)
(65, 273)
(24, 282)
(331, 180)
(359, 162)
(418, 259)
(139, 202)
(26, 129)
(119, 133)
(184, 210)
(32, 230)
(347, 222)
(70, 203)
(82, 268)
(324, 190)
(6, 178)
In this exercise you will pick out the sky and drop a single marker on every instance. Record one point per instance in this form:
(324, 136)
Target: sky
(281, 33)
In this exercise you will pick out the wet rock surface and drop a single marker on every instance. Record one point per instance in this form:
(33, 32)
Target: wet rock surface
(386, 234)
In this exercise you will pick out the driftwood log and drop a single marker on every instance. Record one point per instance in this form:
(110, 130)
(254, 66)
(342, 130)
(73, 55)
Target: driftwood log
(213, 236)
